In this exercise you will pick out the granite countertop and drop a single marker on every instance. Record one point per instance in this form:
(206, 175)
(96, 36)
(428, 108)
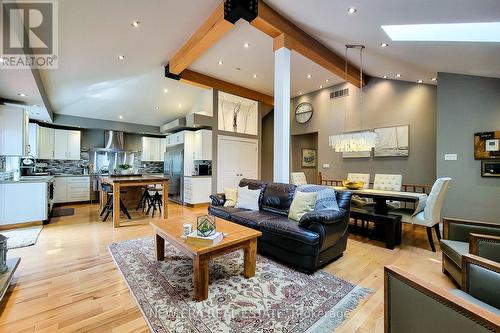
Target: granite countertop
(29, 179)
(198, 176)
(134, 179)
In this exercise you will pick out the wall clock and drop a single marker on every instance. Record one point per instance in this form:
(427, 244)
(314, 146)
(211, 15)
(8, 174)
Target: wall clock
(303, 112)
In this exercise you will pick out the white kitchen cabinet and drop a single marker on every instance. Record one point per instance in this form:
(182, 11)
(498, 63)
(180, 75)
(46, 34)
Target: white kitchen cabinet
(66, 145)
(197, 190)
(71, 189)
(46, 143)
(22, 202)
(153, 149)
(176, 138)
(203, 145)
(163, 148)
(14, 132)
(34, 138)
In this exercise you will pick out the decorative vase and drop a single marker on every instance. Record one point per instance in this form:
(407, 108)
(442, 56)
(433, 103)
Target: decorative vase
(205, 225)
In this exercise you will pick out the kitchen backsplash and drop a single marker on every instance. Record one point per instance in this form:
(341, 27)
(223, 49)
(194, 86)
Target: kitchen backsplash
(146, 166)
(9, 165)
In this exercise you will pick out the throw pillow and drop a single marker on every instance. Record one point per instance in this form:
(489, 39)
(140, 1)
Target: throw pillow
(248, 199)
(302, 203)
(231, 195)
(326, 198)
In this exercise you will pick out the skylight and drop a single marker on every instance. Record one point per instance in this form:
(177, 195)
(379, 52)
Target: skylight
(445, 32)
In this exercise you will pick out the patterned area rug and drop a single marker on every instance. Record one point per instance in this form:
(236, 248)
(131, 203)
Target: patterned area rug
(277, 299)
(21, 237)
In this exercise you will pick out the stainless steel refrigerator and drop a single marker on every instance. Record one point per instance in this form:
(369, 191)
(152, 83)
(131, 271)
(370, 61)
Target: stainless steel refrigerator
(173, 167)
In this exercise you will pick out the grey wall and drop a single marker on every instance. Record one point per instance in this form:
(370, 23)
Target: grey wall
(387, 103)
(465, 105)
(267, 151)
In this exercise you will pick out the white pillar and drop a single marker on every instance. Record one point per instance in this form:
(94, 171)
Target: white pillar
(282, 115)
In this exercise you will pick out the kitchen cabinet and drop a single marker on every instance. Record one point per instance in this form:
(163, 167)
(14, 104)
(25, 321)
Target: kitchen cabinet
(71, 189)
(66, 144)
(14, 132)
(197, 190)
(203, 145)
(34, 138)
(176, 138)
(153, 149)
(22, 202)
(46, 143)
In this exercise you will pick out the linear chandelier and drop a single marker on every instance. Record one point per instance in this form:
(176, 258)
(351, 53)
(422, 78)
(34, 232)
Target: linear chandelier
(357, 141)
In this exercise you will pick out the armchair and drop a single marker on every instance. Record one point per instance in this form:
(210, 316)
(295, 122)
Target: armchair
(414, 305)
(462, 237)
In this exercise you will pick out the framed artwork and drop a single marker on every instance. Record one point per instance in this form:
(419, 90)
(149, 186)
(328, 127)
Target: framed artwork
(309, 159)
(487, 145)
(358, 154)
(238, 114)
(392, 141)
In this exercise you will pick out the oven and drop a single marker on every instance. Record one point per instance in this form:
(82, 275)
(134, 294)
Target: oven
(50, 197)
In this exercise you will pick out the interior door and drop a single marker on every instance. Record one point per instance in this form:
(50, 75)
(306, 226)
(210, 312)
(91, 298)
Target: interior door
(238, 158)
(248, 160)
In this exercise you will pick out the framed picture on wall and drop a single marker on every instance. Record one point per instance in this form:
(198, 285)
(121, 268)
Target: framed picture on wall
(392, 141)
(358, 154)
(309, 158)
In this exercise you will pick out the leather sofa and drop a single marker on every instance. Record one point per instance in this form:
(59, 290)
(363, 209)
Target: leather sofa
(461, 237)
(415, 305)
(318, 238)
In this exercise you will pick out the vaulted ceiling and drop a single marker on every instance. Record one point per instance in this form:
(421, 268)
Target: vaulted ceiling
(92, 82)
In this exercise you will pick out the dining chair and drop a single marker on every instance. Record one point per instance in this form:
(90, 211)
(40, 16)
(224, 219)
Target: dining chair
(430, 215)
(298, 178)
(359, 177)
(389, 182)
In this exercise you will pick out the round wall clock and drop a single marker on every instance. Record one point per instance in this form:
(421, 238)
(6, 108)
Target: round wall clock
(303, 112)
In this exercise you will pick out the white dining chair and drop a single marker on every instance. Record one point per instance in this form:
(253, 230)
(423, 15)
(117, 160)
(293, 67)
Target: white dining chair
(359, 177)
(298, 178)
(430, 216)
(387, 182)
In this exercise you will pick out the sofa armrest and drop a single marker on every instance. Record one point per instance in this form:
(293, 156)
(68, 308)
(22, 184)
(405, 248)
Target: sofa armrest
(485, 246)
(327, 216)
(481, 279)
(413, 302)
(459, 230)
(218, 199)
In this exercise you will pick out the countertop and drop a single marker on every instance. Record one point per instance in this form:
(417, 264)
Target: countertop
(134, 179)
(197, 176)
(32, 179)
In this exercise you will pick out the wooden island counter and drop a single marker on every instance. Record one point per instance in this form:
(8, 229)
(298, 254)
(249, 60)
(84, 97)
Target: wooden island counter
(119, 182)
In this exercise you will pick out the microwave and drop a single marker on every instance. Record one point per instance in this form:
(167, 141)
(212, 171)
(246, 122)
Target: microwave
(490, 168)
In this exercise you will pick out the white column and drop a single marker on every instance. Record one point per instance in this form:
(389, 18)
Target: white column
(281, 170)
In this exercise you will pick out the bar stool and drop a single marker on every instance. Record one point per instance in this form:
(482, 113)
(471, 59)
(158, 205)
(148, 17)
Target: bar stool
(156, 194)
(145, 199)
(108, 207)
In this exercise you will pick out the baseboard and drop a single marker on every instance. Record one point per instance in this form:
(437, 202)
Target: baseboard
(196, 205)
(20, 225)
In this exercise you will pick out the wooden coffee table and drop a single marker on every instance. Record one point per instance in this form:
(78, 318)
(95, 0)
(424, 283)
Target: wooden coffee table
(237, 237)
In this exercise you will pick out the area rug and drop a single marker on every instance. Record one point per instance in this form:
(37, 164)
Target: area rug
(21, 237)
(276, 299)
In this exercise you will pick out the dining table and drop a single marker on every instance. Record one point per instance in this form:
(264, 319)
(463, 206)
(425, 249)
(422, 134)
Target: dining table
(380, 197)
(119, 182)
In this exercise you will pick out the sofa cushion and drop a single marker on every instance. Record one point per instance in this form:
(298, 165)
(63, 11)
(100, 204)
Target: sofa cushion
(223, 212)
(254, 184)
(251, 219)
(290, 229)
(231, 195)
(326, 198)
(248, 199)
(278, 198)
(302, 203)
(454, 250)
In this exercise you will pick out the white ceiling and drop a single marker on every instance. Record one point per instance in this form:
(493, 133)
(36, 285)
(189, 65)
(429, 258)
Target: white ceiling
(92, 82)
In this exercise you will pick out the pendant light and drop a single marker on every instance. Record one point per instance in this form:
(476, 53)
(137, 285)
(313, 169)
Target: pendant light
(357, 141)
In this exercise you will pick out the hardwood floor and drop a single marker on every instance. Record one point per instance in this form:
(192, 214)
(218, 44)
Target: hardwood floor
(68, 281)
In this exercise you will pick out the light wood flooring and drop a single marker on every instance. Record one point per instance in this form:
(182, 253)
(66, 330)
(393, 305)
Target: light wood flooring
(68, 281)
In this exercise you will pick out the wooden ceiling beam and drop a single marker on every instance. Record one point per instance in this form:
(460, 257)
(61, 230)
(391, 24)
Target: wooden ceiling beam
(205, 81)
(275, 25)
(207, 35)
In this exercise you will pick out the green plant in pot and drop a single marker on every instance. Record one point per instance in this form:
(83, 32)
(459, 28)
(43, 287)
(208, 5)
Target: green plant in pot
(124, 168)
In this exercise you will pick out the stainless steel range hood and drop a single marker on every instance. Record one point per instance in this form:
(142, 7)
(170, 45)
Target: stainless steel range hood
(113, 140)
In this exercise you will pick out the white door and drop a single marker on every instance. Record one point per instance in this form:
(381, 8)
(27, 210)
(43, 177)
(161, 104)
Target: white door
(237, 158)
(60, 144)
(46, 143)
(73, 145)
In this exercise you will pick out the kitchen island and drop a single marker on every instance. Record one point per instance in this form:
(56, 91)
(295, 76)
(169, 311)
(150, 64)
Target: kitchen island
(119, 182)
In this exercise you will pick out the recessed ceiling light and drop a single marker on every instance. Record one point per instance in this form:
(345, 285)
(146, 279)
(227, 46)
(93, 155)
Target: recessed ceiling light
(486, 32)
(434, 79)
(385, 76)
(180, 105)
(320, 87)
(420, 81)
(384, 45)
(255, 76)
(165, 90)
(238, 68)
(135, 24)
(327, 80)
(121, 57)
(220, 62)
(309, 76)
(300, 92)
(399, 75)
(36, 105)
(246, 45)
(22, 95)
(121, 117)
(157, 107)
(351, 10)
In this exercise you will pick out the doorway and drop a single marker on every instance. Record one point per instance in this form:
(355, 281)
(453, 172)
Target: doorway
(299, 143)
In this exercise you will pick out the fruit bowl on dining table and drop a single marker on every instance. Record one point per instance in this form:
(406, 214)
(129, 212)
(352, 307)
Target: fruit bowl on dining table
(353, 185)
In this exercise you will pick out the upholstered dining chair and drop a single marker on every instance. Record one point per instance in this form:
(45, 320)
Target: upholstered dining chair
(430, 216)
(298, 178)
(387, 182)
(359, 177)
